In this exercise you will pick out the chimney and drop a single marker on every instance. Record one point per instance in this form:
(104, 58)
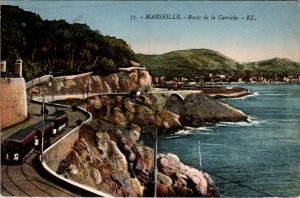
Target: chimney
(3, 66)
(18, 67)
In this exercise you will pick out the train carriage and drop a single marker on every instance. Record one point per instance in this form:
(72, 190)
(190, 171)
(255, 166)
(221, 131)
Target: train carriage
(60, 119)
(18, 145)
(47, 129)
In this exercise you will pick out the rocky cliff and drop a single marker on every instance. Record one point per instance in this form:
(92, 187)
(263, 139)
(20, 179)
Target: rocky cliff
(114, 162)
(123, 81)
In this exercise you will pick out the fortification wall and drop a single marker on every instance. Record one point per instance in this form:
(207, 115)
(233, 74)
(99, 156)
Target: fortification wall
(13, 101)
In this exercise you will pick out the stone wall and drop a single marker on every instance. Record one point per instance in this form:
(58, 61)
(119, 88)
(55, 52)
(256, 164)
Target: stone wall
(59, 151)
(13, 101)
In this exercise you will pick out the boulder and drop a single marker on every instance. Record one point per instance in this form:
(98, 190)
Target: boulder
(198, 109)
(69, 84)
(129, 105)
(96, 175)
(95, 102)
(144, 80)
(144, 116)
(168, 120)
(134, 133)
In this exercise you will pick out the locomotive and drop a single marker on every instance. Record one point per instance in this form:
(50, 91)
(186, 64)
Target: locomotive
(19, 144)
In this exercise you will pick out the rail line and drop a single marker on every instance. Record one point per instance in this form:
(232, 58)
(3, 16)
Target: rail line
(28, 171)
(6, 192)
(24, 180)
(28, 178)
(14, 183)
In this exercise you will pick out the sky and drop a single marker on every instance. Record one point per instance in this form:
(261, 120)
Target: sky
(274, 33)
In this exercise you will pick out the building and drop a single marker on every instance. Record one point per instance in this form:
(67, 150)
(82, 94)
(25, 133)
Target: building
(12, 96)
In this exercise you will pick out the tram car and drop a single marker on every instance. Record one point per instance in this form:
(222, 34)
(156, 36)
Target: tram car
(18, 145)
(60, 119)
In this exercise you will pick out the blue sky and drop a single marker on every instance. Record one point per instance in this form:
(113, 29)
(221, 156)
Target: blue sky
(274, 33)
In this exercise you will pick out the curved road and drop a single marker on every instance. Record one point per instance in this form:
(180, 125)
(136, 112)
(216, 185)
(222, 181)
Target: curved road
(30, 179)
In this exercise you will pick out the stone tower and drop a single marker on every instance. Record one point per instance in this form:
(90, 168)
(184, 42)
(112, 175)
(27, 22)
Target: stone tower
(12, 96)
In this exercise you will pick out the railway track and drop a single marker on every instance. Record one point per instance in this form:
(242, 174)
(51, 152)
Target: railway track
(25, 181)
(29, 178)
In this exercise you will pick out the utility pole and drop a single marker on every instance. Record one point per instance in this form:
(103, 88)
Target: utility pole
(200, 160)
(82, 89)
(52, 88)
(88, 87)
(43, 114)
(155, 156)
(87, 94)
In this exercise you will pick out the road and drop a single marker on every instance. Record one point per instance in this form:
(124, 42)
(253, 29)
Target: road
(49, 98)
(30, 179)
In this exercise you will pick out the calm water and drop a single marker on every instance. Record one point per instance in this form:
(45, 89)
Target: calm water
(249, 159)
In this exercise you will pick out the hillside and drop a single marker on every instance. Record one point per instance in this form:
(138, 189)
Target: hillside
(189, 63)
(55, 46)
(275, 66)
(195, 62)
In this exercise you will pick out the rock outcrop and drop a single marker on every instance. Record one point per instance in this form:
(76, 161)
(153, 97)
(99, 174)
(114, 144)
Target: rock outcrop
(114, 162)
(123, 81)
(197, 109)
(125, 111)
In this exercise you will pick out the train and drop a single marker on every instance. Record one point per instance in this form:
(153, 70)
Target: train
(20, 144)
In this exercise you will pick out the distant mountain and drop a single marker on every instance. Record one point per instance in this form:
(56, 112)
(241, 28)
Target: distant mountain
(199, 62)
(274, 66)
(189, 63)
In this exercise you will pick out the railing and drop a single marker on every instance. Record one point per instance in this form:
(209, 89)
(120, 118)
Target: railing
(48, 78)
(49, 154)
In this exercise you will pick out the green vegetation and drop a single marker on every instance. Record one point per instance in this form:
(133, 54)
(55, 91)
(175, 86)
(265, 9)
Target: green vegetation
(189, 63)
(201, 62)
(279, 67)
(49, 47)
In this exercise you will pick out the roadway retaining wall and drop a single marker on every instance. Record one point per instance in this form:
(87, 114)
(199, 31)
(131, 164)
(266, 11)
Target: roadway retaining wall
(49, 78)
(58, 151)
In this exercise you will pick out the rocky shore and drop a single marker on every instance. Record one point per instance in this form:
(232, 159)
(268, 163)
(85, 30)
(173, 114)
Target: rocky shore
(168, 113)
(197, 109)
(113, 161)
(221, 92)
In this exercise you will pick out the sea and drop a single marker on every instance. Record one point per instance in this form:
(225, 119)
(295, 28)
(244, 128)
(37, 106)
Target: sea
(258, 158)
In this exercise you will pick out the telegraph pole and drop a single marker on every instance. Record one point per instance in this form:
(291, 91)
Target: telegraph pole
(52, 88)
(43, 114)
(200, 159)
(155, 164)
(155, 156)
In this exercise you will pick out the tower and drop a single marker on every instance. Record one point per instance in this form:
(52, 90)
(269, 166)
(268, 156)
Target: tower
(18, 67)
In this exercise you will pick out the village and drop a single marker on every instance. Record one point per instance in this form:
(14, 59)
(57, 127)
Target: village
(220, 79)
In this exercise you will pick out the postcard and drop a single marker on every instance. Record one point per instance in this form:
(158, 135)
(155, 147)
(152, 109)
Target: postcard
(150, 98)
